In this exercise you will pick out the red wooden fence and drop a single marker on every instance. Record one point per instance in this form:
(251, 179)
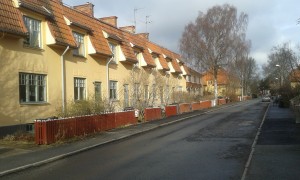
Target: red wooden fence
(196, 106)
(50, 131)
(205, 104)
(171, 111)
(152, 114)
(221, 101)
(185, 107)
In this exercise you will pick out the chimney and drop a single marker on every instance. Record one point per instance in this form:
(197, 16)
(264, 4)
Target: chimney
(112, 20)
(87, 8)
(130, 29)
(144, 35)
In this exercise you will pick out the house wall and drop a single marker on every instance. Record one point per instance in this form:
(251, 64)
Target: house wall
(15, 58)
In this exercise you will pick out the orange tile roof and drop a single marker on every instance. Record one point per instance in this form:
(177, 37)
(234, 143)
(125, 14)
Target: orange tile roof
(59, 29)
(173, 57)
(141, 42)
(11, 19)
(157, 49)
(54, 11)
(187, 70)
(38, 6)
(92, 26)
(222, 77)
(125, 46)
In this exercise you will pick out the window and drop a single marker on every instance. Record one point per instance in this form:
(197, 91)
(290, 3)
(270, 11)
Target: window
(113, 90)
(97, 86)
(113, 48)
(167, 91)
(138, 57)
(136, 91)
(146, 92)
(153, 91)
(80, 43)
(188, 78)
(161, 91)
(79, 89)
(32, 88)
(179, 88)
(126, 95)
(34, 29)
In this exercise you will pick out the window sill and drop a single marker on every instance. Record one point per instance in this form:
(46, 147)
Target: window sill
(34, 103)
(33, 48)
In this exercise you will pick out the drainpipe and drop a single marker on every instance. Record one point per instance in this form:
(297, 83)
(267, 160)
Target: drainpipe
(107, 75)
(63, 79)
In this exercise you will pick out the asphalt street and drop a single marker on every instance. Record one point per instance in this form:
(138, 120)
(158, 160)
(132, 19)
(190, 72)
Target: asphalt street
(214, 145)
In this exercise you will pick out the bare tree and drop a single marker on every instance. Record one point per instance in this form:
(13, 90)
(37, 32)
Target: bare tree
(250, 74)
(208, 41)
(281, 62)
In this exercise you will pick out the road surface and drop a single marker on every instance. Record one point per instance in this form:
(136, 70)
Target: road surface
(215, 145)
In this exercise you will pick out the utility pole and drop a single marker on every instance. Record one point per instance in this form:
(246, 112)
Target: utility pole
(147, 22)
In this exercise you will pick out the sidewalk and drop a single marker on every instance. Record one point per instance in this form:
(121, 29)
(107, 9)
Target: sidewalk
(277, 152)
(39, 156)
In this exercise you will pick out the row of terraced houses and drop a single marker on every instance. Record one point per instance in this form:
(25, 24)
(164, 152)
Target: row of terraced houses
(52, 54)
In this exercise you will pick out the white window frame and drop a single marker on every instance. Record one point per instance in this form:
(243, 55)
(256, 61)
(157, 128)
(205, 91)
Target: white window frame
(138, 57)
(32, 88)
(114, 49)
(98, 90)
(146, 92)
(79, 38)
(136, 91)
(161, 94)
(34, 29)
(79, 89)
(167, 91)
(153, 91)
(126, 95)
(113, 86)
(179, 88)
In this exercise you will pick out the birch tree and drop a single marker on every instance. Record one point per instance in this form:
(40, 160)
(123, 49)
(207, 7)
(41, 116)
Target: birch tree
(208, 42)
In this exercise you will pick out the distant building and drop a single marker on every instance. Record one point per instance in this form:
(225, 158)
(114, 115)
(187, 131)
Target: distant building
(228, 85)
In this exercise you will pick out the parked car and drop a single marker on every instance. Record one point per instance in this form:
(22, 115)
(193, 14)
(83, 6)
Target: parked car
(266, 99)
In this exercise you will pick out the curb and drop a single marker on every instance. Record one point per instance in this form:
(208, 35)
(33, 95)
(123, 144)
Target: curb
(247, 165)
(62, 156)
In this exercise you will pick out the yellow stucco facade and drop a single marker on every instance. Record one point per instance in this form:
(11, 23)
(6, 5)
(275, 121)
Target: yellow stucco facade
(19, 61)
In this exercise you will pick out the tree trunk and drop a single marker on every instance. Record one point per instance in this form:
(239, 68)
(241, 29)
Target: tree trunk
(215, 84)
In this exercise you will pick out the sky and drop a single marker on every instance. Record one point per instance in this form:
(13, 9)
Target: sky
(271, 22)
